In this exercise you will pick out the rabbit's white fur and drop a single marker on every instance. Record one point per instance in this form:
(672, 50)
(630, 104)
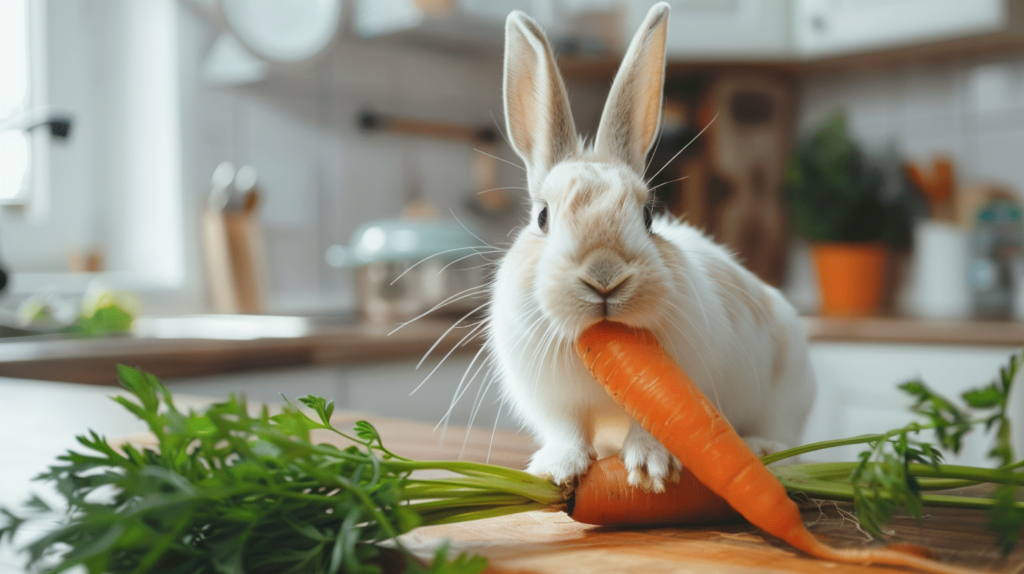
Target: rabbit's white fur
(595, 258)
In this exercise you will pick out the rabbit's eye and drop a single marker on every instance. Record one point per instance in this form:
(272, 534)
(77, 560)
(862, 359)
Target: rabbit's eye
(542, 219)
(648, 216)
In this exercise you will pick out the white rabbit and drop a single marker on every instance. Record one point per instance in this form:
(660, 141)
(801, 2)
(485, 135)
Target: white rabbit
(592, 251)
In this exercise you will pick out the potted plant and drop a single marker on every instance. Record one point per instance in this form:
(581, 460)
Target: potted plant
(838, 201)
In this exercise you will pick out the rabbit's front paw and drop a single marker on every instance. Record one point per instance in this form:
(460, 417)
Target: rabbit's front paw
(562, 463)
(648, 463)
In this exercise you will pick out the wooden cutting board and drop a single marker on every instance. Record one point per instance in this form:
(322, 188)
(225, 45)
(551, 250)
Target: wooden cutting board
(550, 542)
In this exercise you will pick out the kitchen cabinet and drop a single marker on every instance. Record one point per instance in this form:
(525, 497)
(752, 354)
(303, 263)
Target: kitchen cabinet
(722, 29)
(833, 27)
(857, 390)
(802, 30)
(383, 388)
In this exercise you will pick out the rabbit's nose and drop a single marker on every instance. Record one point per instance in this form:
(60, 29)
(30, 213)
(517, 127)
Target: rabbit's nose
(605, 274)
(604, 290)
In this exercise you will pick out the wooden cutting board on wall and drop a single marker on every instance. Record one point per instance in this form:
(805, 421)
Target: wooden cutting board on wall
(733, 189)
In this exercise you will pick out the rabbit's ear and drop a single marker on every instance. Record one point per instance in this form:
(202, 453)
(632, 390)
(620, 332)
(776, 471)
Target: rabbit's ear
(537, 114)
(632, 113)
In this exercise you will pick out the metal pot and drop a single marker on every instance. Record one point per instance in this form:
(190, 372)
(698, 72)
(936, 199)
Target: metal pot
(404, 268)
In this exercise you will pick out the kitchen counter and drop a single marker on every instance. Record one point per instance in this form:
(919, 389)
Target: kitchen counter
(915, 331)
(91, 360)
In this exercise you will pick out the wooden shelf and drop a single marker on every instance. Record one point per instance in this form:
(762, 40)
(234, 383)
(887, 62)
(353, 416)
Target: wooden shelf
(915, 331)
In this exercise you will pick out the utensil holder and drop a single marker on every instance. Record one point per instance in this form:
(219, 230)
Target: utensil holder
(937, 286)
(235, 261)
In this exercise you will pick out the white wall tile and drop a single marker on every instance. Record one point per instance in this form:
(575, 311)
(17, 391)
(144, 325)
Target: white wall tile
(998, 157)
(930, 92)
(282, 149)
(971, 110)
(992, 87)
(820, 96)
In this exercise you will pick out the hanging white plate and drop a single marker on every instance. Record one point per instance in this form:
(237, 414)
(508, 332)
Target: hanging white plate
(284, 30)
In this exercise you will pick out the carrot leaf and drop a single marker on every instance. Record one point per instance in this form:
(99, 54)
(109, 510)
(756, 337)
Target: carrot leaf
(883, 483)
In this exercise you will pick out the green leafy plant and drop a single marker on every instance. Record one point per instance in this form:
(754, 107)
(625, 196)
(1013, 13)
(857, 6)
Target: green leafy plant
(836, 192)
(108, 320)
(231, 491)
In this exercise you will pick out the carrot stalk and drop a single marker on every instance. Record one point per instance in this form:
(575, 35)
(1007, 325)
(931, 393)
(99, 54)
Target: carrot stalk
(642, 377)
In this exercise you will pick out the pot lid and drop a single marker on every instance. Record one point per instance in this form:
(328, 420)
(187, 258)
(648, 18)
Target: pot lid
(403, 240)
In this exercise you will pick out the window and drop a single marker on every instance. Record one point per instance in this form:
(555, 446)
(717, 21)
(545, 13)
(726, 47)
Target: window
(114, 186)
(15, 146)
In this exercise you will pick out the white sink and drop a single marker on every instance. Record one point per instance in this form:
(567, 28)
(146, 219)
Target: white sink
(234, 327)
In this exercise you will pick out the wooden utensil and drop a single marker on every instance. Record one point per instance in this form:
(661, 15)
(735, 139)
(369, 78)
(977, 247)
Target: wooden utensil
(937, 186)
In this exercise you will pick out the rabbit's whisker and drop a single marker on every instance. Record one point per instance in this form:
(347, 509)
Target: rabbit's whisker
(494, 431)
(673, 158)
(490, 368)
(477, 237)
(464, 294)
(478, 253)
(501, 188)
(477, 402)
(661, 132)
(443, 359)
(500, 159)
(500, 131)
(462, 382)
(411, 267)
(668, 182)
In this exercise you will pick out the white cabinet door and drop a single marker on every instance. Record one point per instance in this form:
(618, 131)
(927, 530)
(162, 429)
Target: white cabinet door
(385, 389)
(722, 29)
(834, 27)
(857, 391)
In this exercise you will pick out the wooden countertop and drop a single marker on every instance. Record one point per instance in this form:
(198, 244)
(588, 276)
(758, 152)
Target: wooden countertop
(915, 331)
(90, 360)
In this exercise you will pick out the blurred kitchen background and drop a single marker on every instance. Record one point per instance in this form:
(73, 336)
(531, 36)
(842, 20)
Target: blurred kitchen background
(224, 192)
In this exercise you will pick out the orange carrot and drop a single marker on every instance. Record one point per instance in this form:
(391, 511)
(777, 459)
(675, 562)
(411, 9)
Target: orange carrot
(604, 497)
(644, 379)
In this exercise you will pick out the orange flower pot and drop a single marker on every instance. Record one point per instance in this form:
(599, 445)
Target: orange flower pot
(851, 276)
